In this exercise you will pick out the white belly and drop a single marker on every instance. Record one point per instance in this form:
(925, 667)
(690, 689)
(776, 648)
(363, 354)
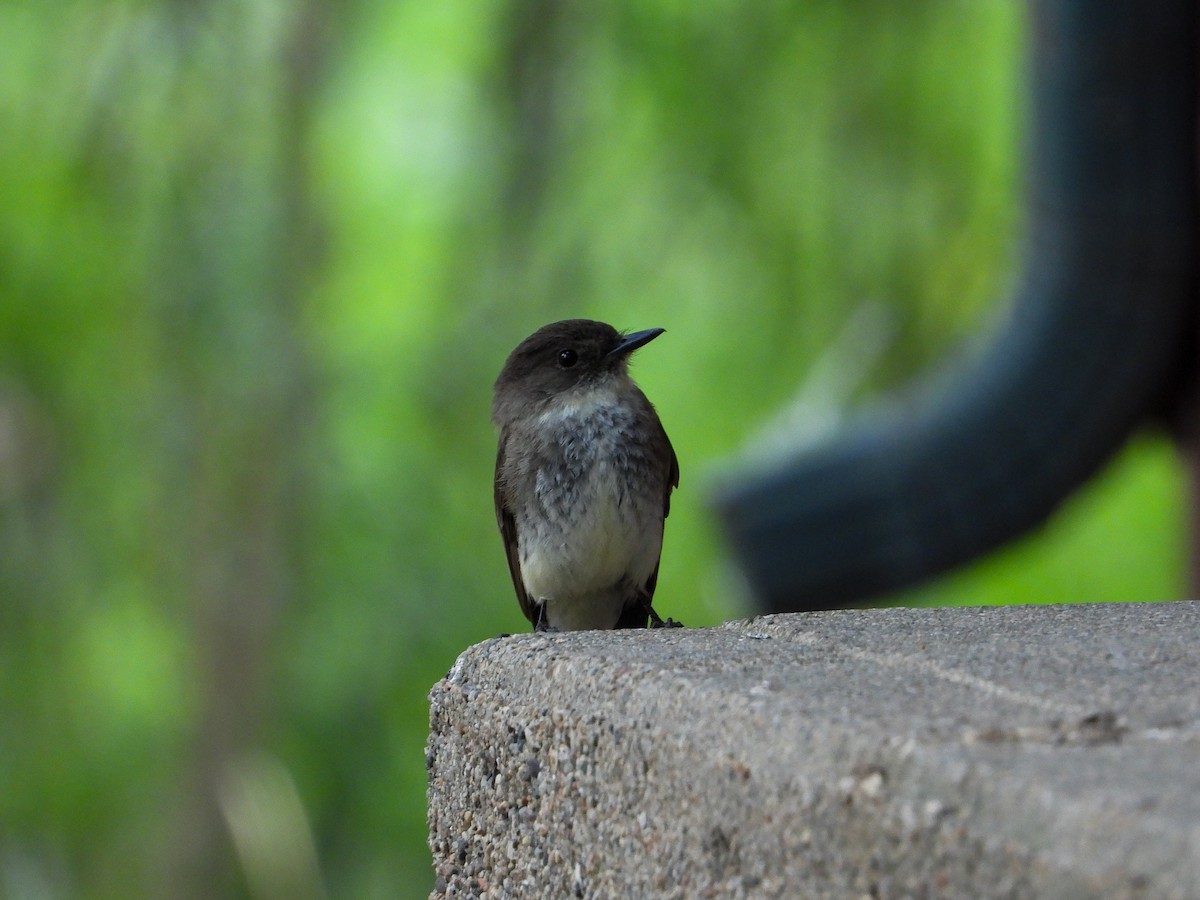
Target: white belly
(589, 563)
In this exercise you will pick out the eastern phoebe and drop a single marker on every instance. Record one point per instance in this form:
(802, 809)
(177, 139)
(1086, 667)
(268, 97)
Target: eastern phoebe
(584, 474)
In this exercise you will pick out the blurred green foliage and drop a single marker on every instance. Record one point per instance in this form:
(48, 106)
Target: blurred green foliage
(259, 264)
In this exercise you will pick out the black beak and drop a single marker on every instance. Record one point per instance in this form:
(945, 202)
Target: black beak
(631, 342)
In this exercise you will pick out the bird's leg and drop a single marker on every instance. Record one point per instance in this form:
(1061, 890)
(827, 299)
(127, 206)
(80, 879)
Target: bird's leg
(542, 626)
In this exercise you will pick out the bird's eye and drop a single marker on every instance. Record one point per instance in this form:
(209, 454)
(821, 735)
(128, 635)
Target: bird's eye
(568, 358)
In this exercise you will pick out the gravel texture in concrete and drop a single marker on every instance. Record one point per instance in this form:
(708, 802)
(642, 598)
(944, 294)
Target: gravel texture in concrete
(969, 752)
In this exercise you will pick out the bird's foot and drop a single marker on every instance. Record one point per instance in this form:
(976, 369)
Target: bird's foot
(657, 621)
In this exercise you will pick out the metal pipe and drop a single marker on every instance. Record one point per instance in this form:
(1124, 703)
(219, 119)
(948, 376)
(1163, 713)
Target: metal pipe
(1100, 318)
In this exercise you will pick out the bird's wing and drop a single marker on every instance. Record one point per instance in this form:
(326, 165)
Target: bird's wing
(508, 531)
(672, 482)
(672, 477)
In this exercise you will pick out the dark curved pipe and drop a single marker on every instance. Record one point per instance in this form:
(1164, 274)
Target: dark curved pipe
(1095, 333)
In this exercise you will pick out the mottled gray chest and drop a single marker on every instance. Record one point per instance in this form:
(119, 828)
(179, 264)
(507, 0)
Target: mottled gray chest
(588, 455)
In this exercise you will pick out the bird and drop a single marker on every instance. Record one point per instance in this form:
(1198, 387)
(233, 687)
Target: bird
(584, 474)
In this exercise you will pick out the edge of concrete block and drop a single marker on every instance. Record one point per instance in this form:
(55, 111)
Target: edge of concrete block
(986, 752)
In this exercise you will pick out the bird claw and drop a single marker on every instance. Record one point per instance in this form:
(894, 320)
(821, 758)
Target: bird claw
(657, 621)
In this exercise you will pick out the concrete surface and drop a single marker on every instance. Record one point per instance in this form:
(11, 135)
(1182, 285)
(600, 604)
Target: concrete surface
(989, 752)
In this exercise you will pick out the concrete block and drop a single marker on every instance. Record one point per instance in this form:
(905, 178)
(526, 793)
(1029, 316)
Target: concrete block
(969, 752)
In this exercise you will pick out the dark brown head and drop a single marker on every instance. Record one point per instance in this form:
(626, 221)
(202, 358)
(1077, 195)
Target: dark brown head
(560, 357)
